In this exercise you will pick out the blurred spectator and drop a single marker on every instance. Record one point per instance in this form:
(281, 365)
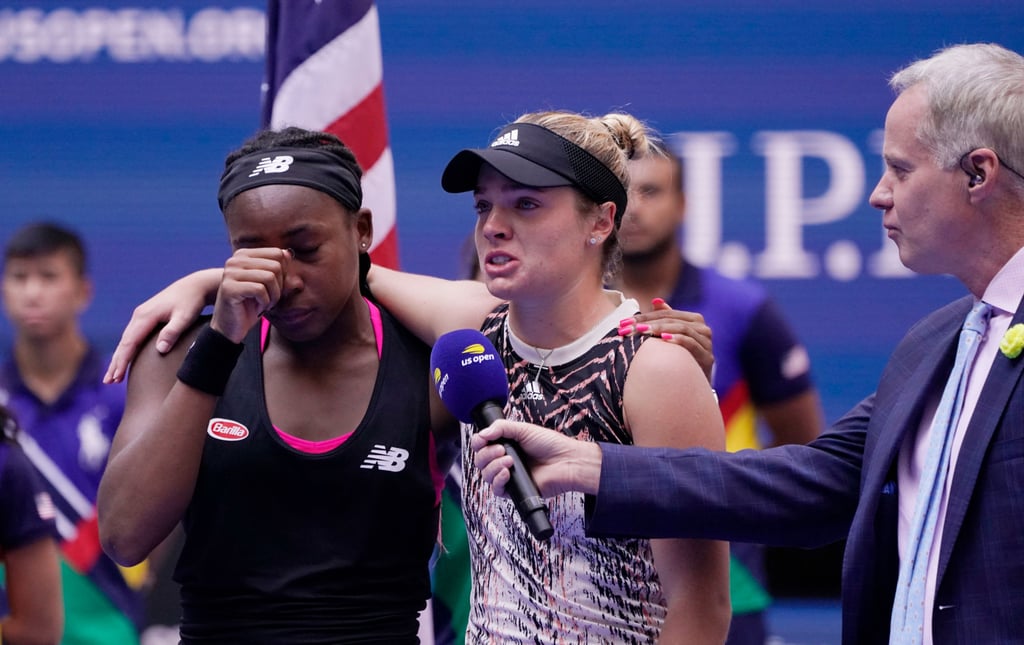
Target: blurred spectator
(52, 380)
(761, 370)
(30, 604)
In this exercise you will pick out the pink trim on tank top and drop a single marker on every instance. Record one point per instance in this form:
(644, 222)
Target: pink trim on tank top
(327, 445)
(312, 447)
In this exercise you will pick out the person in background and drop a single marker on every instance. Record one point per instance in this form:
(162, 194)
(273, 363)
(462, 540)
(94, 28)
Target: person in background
(52, 381)
(762, 372)
(31, 609)
(923, 477)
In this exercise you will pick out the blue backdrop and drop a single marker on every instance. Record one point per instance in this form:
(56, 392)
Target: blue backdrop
(116, 119)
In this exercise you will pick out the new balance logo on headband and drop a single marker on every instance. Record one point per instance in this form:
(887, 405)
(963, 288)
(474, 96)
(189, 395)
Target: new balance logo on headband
(281, 163)
(510, 138)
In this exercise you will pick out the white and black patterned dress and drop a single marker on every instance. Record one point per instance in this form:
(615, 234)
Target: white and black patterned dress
(570, 589)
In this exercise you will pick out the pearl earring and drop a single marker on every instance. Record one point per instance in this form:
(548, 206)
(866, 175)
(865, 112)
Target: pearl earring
(593, 241)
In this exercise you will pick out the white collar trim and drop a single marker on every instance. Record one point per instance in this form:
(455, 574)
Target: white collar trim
(626, 308)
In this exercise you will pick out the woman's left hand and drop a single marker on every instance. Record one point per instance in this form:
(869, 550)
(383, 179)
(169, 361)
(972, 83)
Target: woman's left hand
(685, 328)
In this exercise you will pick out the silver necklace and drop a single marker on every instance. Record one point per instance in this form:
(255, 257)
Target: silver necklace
(543, 361)
(543, 356)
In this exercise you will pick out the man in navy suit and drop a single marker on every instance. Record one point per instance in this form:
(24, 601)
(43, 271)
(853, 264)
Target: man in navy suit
(953, 201)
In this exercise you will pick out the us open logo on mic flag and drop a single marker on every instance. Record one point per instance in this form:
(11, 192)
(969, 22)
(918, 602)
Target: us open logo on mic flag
(325, 72)
(477, 354)
(467, 371)
(472, 354)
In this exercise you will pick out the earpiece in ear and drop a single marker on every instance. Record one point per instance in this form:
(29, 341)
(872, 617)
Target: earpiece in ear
(975, 175)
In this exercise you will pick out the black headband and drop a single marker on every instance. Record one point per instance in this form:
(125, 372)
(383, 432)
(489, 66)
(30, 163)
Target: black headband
(532, 155)
(320, 170)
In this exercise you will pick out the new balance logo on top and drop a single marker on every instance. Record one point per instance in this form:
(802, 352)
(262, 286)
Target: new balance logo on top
(531, 391)
(280, 163)
(510, 138)
(384, 458)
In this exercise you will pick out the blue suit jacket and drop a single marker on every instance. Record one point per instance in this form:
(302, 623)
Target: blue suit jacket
(843, 485)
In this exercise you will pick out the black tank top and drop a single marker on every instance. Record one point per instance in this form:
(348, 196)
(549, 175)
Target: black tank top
(284, 546)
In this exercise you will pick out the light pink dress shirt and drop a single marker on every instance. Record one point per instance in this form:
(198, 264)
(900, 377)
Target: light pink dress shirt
(1004, 294)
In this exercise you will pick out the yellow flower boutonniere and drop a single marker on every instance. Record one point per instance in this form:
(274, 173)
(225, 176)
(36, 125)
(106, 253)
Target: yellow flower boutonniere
(1013, 341)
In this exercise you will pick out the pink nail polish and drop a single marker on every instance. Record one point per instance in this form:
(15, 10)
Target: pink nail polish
(641, 328)
(626, 321)
(658, 301)
(666, 336)
(625, 330)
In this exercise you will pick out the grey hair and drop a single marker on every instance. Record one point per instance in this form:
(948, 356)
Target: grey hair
(975, 95)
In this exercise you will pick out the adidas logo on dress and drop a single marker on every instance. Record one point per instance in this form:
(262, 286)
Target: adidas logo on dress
(531, 391)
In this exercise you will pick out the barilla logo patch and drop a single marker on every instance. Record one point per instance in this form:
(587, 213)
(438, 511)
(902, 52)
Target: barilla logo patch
(280, 163)
(440, 380)
(476, 355)
(510, 138)
(227, 430)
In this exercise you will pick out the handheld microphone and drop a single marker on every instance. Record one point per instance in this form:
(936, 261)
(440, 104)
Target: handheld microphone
(471, 381)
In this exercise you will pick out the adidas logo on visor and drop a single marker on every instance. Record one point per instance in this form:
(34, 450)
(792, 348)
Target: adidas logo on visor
(280, 163)
(510, 138)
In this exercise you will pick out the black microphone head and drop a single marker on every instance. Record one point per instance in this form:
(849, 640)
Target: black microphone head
(467, 372)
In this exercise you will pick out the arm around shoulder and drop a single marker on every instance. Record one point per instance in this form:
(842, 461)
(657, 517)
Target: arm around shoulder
(429, 306)
(178, 305)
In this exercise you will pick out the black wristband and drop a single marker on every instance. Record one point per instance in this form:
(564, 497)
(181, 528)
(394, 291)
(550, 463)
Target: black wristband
(209, 362)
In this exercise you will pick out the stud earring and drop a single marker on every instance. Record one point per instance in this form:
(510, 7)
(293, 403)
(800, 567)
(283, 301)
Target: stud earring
(593, 241)
(363, 245)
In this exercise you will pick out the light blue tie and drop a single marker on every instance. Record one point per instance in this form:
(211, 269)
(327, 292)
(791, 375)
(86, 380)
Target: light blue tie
(907, 626)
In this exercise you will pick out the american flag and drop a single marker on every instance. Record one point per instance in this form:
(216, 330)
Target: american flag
(45, 507)
(325, 72)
